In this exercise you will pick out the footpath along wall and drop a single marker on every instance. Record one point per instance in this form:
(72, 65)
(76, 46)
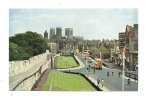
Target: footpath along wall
(29, 80)
(26, 82)
(18, 67)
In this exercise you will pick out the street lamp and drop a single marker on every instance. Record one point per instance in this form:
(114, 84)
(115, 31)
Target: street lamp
(100, 54)
(123, 58)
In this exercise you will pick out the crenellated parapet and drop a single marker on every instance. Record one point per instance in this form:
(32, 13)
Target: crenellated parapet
(18, 67)
(23, 74)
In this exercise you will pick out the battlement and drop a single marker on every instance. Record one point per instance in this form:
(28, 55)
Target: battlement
(18, 67)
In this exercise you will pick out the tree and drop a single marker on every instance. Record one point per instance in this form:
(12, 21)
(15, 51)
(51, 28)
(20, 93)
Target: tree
(22, 46)
(103, 49)
(13, 51)
(94, 49)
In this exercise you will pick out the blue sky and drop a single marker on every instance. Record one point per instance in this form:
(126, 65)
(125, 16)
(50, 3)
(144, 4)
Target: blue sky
(89, 23)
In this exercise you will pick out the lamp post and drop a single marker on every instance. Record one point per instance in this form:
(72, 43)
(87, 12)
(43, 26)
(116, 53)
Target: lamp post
(100, 54)
(51, 57)
(123, 58)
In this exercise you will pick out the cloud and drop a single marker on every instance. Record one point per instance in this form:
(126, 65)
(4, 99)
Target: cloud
(91, 23)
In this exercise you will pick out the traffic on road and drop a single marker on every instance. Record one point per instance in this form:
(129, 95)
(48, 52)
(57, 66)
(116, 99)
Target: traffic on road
(113, 81)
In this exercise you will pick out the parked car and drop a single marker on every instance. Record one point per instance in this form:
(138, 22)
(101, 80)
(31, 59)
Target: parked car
(90, 60)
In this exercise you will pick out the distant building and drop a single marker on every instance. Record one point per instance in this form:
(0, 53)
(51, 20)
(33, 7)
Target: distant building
(46, 34)
(121, 37)
(67, 42)
(69, 32)
(98, 43)
(107, 43)
(53, 47)
(52, 32)
(131, 45)
(58, 31)
(112, 43)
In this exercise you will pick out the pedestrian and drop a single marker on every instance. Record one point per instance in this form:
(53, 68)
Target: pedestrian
(89, 66)
(118, 74)
(112, 73)
(94, 70)
(135, 79)
(98, 81)
(129, 82)
(107, 73)
(87, 71)
(102, 82)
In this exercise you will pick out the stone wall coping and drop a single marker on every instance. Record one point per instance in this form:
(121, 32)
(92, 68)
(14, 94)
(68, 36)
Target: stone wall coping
(15, 80)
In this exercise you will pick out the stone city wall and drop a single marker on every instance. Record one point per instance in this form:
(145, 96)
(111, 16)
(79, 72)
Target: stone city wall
(27, 83)
(18, 67)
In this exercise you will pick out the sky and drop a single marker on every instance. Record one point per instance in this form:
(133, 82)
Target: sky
(90, 23)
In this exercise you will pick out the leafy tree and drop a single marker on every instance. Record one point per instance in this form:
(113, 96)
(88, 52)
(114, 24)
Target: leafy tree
(103, 49)
(80, 46)
(13, 51)
(94, 41)
(94, 49)
(22, 46)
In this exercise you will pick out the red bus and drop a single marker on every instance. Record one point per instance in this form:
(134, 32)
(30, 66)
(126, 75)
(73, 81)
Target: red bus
(98, 63)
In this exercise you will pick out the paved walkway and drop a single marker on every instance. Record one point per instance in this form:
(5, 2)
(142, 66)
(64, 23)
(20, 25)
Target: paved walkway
(95, 82)
(14, 80)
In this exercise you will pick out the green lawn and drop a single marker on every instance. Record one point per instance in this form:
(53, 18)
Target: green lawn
(64, 81)
(66, 62)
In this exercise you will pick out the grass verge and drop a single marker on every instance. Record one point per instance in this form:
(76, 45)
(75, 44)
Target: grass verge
(66, 62)
(67, 82)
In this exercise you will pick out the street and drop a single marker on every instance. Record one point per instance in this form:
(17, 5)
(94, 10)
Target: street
(112, 82)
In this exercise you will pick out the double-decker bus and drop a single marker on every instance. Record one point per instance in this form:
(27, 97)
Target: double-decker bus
(98, 63)
(86, 55)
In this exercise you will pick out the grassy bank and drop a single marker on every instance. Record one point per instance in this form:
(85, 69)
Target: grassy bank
(67, 82)
(66, 62)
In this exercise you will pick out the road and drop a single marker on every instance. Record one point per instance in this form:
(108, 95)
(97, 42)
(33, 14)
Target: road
(113, 82)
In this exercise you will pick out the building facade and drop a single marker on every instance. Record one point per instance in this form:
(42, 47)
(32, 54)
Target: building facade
(98, 43)
(58, 31)
(131, 45)
(46, 34)
(53, 47)
(67, 42)
(69, 32)
(121, 37)
(52, 32)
